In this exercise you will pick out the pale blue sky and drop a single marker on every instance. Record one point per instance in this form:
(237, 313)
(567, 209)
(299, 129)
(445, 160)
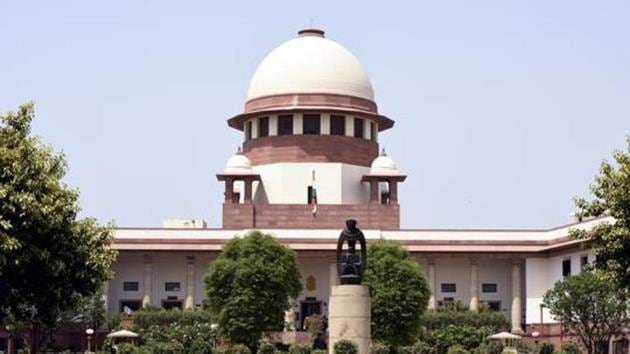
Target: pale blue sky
(503, 109)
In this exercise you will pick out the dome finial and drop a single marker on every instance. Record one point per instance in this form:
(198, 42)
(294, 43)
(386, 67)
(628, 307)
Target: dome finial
(383, 153)
(239, 151)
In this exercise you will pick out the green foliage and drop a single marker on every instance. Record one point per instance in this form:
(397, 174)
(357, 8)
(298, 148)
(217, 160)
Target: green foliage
(130, 348)
(457, 349)
(570, 347)
(466, 336)
(238, 349)
(299, 349)
(610, 241)
(345, 346)
(546, 348)
(398, 291)
(495, 347)
(438, 319)
(249, 287)
(379, 348)
(594, 308)
(267, 348)
(315, 325)
(319, 351)
(419, 347)
(51, 261)
(148, 317)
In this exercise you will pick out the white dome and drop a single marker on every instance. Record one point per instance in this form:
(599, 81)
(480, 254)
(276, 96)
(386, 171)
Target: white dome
(383, 165)
(238, 164)
(310, 64)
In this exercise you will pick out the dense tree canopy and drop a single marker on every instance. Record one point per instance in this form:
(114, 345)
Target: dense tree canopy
(249, 287)
(398, 291)
(610, 241)
(594, 308)
(50, 259)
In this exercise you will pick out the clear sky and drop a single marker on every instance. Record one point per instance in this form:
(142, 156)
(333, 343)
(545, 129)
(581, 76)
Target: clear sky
(503, 109)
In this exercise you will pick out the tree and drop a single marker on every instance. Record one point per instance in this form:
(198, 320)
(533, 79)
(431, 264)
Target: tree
(595, 309)
(610, 241)
(50, 259)
(249, 287)
(398, 291)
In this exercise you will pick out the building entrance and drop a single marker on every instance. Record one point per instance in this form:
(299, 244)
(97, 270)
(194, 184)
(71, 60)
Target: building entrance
(310, 306)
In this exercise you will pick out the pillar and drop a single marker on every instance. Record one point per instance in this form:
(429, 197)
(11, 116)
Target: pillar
(148, 277)
(349, 316)
(105, 298)
(333, 277)
(432, 302)
(474, 286)
(516, 297)
(248, 191)
(393, 191)
(374, 191)
(229, 190)
(190, 283)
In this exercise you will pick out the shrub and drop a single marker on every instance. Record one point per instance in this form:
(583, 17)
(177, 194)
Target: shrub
(546, 348)
(299, 349)
(379, 348)
(146, 318)
(466, 336)
(238, 349)
(570, 347)
(432, 320)
(319, 351)
(315, 325)
(129, 348)
(345, 346)
(457, 349)
(418, 347)
(266, 348)
(495, 347)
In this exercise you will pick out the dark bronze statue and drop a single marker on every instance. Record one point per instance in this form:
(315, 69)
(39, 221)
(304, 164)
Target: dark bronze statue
(350, 265)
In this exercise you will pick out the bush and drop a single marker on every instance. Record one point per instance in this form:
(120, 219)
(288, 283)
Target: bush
(466, 336)
(418, 347)
(546, 348)
(238, 349)
(495, 347)
(299, 349)
(319, 351)
(345, 346)
(457, 349)
(129, 348)
(266, 348)
(570, 347)
(315, 325)
(432, 320)
(379, 348)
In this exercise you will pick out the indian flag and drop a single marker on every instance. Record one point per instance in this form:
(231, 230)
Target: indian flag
(314, 196)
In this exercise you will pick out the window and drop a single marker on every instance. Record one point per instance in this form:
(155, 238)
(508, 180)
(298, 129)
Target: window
(489, 288)
(583, 261)
(248, 130)
(172, 286)
(566, 267)
(337, 125)
(493, 305)
(130, 286)
(358, 128)
(373, 131)
(311, 124)
(263, 127)
(171, 304)
(448, 288)
(285, 125)
(133, 305)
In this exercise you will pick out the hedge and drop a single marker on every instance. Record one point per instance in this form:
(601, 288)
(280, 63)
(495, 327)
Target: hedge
(432, 320)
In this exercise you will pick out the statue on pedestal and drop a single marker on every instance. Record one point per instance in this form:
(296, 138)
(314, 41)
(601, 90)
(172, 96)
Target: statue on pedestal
(350, 265)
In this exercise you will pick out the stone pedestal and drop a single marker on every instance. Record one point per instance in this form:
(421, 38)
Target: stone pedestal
(349, 316)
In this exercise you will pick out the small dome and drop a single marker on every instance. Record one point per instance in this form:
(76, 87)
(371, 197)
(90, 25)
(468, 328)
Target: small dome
(238, 164)
(310, 64)
(383, 165)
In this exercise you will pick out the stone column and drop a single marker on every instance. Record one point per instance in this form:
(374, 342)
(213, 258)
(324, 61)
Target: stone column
(229, 190)
(474, 286)
(393, 191)
(374, 191)
(190, 283)
(516, 297)
(248, 191)
(148, 283)
(432, 303)
(333, 278)
(349, 316)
